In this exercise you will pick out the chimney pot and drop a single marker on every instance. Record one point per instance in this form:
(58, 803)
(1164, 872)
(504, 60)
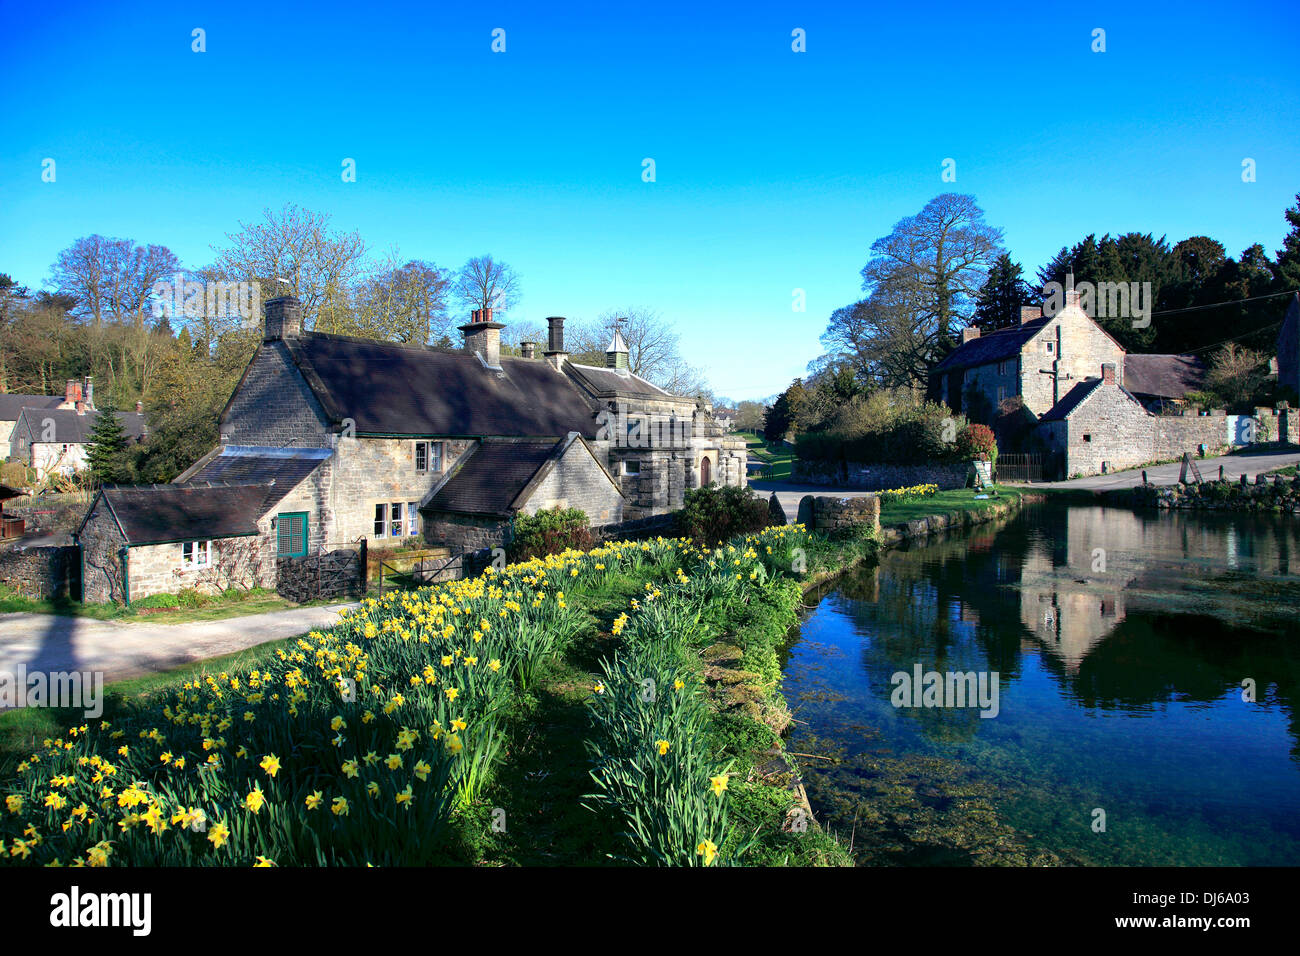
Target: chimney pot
(139, 407)
(483, 338)
(529, 349)
(555, 340)
(283, 318)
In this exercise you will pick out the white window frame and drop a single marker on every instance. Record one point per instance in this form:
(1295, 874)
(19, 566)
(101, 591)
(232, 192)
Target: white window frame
(396, 519)
(381, 519)
(196, 554)
(412, 518)
(629, 471)
(434, 457)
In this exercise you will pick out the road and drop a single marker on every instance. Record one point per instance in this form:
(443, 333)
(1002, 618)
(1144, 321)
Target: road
(1234, 466)
(122, 649)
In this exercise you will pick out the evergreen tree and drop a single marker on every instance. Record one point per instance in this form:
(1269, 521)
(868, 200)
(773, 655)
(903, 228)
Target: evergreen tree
(109, 459)
(1288, 257)
(1001, 296)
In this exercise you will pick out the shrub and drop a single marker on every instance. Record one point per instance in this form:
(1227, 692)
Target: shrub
(717, 514)
(158, 600)
(976, 443)
(885, 427)
(550, 532)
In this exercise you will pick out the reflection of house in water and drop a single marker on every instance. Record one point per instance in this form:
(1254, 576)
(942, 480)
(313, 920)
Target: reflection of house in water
(1072, 590)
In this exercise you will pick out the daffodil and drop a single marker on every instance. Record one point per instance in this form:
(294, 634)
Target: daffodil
(271, 764)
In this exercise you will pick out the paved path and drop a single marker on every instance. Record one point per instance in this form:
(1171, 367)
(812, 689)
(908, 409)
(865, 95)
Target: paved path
(1233, 467)
(122, 649)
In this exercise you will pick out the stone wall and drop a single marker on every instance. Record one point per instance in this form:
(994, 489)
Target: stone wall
(578, 481)
(42, 572)
(879, 477)
(235, 563)
(101, 564)
(331, 575)
(460, 532)
(1079, 349)
(1279, 495)
(273, 405)
(371, 471)
(831, 515)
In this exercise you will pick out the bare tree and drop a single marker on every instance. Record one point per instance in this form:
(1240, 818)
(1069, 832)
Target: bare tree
(403, 302)
(1236, 374)
(295, 251)
(484, 283)
(112, 278)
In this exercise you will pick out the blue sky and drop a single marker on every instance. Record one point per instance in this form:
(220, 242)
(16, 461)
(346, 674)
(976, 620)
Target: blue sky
(775, 170)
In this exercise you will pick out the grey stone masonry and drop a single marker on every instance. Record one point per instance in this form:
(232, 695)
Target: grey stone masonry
(273, 405)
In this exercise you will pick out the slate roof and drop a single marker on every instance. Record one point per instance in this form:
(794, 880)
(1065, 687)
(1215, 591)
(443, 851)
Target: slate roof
(286, 467)
(604, 381)
(392, 389)
(1163, 376)
(489, 479)
(12, 404)
(157, 514)
(72, 428)
(1076, 397)
(991, 347)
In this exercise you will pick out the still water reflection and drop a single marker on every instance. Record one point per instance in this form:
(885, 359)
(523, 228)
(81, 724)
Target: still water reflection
(1121, 642)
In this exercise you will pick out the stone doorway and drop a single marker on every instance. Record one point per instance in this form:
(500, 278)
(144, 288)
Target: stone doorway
(706, 472)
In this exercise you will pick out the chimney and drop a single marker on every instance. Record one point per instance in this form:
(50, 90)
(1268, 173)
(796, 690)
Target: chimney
(1030, 312)
(1108, 373)
(483, 336)
(71, 393)
(139, 407)
(90, 392)
(529, 349)
(969, 334)
(283, 318)
(555, 341)
(616, 352)
(1072, 298)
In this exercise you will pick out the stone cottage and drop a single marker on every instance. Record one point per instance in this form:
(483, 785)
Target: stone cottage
(56, 440)
(11, 407)
(1092, 402)
(389, 442)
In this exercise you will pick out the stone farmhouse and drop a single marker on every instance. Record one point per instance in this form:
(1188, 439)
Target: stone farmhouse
(330, 439)
(1097, 408)
(52, 435)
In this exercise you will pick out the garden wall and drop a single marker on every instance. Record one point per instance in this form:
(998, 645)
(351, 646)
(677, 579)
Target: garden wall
(42, 572)
(879, 477)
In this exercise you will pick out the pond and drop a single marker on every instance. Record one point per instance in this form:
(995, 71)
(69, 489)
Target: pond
(1139, 676)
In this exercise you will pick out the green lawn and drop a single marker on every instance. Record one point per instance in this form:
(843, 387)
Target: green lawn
(943, 502)
(777, 458)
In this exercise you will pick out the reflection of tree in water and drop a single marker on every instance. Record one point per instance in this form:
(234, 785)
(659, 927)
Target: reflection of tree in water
(943, 605)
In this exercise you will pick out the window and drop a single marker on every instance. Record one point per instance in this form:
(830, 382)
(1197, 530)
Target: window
(632, 466)
(396, 519)
(1002, 394)
(196, 554)
(428, 456)
(291, 534)
(1087, 438)
(1049, 348)
(1002, 368)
